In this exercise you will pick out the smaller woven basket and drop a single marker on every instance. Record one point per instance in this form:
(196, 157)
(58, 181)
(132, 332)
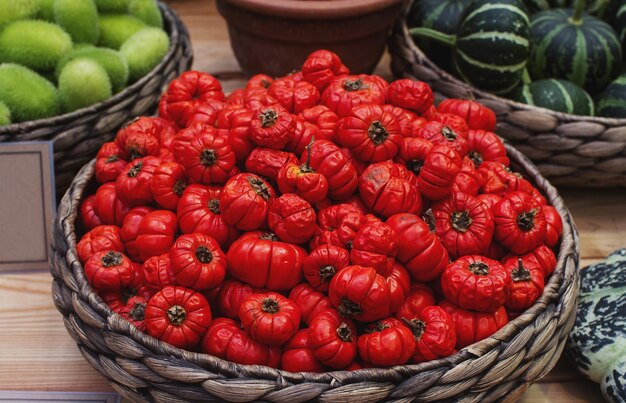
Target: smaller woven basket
(78, 135)
(142, 368)
(569, 150)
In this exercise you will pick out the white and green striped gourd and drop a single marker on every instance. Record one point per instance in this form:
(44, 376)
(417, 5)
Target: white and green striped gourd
(612, 103)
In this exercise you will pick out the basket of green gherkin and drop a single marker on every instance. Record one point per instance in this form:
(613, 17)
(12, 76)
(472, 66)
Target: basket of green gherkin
(73, 72)
(554, 72)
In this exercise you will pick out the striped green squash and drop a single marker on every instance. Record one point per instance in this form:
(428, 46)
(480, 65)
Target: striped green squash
(442, 16)
(561, 96)
(491, 44)
(572, 45)
(619, 23)
(612, 103)
(541, 5)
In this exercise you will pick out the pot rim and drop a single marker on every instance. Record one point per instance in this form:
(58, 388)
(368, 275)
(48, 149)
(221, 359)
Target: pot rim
(313, 9)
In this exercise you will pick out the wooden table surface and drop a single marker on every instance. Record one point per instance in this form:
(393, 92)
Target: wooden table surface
(37, 354)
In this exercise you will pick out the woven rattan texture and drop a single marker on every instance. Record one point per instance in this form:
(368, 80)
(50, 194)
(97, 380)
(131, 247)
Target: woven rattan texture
(142, 368)
(77, 136)
(569, 150)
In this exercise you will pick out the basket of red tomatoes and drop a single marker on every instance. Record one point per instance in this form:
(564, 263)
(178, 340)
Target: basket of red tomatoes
(320, 236)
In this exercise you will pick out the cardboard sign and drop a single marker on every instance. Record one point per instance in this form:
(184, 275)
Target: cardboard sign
(58, 397)
(27, 205)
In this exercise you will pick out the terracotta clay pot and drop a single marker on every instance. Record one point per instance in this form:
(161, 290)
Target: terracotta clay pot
(275, 36)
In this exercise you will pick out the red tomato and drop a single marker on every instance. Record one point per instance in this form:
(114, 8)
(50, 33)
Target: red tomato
(554, 225)
(434, 333)
(101, 238)
(321, 67)
(110, 270)
(157, 272)
(303, 134)
(439, 133)
(310, 302)
(419, 298)
(236, 121)
(206, 113)
(375, 245)
(272, 127)
(198, 262)
(166, 131)
(132, 186)
(338, 224)
(227, 340)
(167, 185)
(489, 199)
(399, 282)
(403, 117)
(303, 181)
(437, 175)
(520, 222)
(454, 122)
(477, 283)
(387, 343)
(270, 318)
(245, 201)
(177, 315)
(255, 99)
(109, 164)
(412, 153)
(267, 162)
(156, 233)
(359, 292)
(259, 81)
(542, 256)
(370, 133)
(328, 159)
(294, 96)
(323, 263)
(464, 224)
(232, 293)
(468, 180)
(139, 138)
(419, 249)
(527, 284)
(495, 251)
(324, 119)
(199, 211)
(186, 93)
(476, 115)
(108, 207)
(88, 217)
(278, 265)
(205, 154)
(333, 339)
(134, 311)
(413, 95)
(117, 299)
(388, 188)
(486, 146)
(345, 92)
(298, 355)
(498, 179)
(472, 326)
(292, 218)
(130, 230)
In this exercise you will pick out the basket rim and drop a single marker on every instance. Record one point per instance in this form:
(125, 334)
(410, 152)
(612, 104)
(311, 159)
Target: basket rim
(176, 29)
(402, 27)
(557, 283)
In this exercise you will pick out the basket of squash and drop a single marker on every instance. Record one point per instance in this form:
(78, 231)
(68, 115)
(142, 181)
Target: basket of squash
(73, 72)
(551, 70)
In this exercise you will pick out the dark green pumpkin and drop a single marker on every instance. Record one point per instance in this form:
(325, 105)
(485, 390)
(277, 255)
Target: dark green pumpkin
(574, 46)
(619, 24)
(442, 16)
(541, 5)
(612, 103)
(561, 96)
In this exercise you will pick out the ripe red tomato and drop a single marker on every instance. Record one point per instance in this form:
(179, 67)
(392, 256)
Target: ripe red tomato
(109, 164)
(110, 270)
(245, 201)
(272, 127)
(177, 315)
(399, 282)
(108, 207)
(270, 318)
(156, 233)
(434, 333)
(130, 230)
(138, 138)
(278, 265)
(375, 245)
(473, 326)
(323, 263)
(206, 113)
(198, 262)
(292, 219)
(498, 179)
(88, 217)
(294, 96)
(236, 121)
(359, 292)
(298, 356)
(454, 122)
(338, 224)
(476, 115)
(329, 160)
(303, 134)
(389, 342)
(437, 175)
(259, 81)
(117, 299)
(232, 293)
(527, 283)
(485, 146)
(554, 226)
(419, 298)
(464, 224)
(321, 67)
(419, 249)
(520, 222)
(477, 283)
(324, 119)
(157, 272)
(345, 92)
(439, 133)
(132, 186)
(412, 153)
(468, 180)
(409, 94)
(542, 256)
(303, 181)
(267, 162)
(134, 310)
(101, 238)
(205, 154)
(227, 340)
(310, 301)
(167, 185)
(333, 339)
(388, 188)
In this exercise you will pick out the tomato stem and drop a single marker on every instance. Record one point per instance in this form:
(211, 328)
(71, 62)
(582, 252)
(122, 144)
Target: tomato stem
(520, 273)
(179, 187)
(449, 134)
(268, 118)
(344, 332)
(417, 327)
(270, 305)
(476, 157)
(134, 153)
(306, 167)
(113, 158)
(269, 236)
(479, 268)
(326, 273)
(259, 187)
(138, 311)
(526, 220)
(176, 315)
(214, 206)
(377, 132)
(134, 171)
(348, 308)
(208, 157)
(461, 220)
(429, 219)
(353, 85)
(111, 258)
(203, 254)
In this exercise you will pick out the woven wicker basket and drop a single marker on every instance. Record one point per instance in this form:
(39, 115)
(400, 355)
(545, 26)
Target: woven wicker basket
(569, 150)
(78, 135)
(143, 368)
